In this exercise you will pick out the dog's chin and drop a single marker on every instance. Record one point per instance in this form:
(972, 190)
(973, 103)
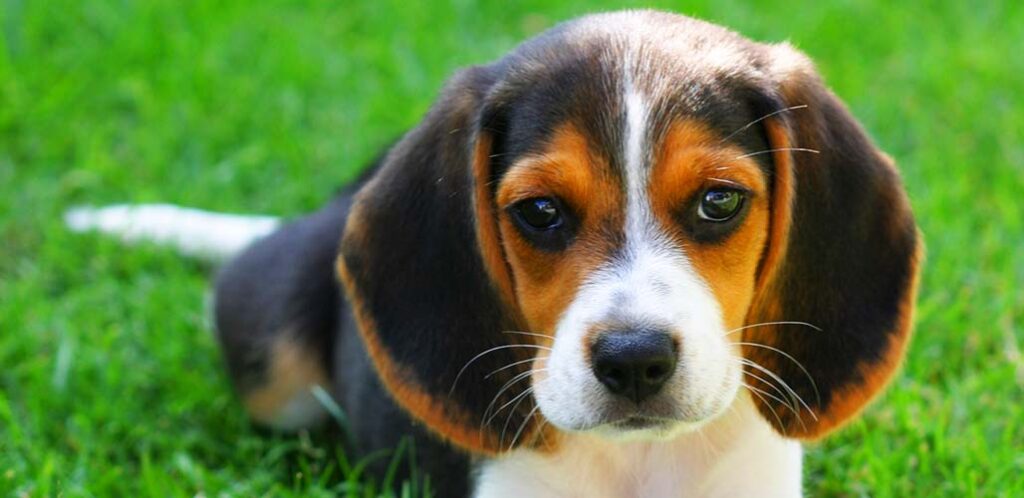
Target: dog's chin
(661, 422)
(640, 427)
(644, 429)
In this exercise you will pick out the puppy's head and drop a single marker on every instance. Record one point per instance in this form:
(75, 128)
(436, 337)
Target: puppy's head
(618, 227)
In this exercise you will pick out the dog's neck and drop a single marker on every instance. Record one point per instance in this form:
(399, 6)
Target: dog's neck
(737, 454)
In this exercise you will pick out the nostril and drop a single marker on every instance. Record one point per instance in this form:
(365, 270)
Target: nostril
(656, 372)
(614, 377)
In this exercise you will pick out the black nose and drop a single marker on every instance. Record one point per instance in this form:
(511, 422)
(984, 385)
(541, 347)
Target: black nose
(634, 363)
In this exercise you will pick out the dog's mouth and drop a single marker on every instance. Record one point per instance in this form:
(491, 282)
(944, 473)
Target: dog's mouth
(641, 428)
(648, 423)
(642, 423)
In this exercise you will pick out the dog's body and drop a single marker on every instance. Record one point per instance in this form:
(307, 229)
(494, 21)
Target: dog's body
(639, 256)
(263, 289)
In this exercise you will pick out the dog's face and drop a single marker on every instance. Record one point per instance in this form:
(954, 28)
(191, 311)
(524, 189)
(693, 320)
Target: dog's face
(626, 221)
(635, 265)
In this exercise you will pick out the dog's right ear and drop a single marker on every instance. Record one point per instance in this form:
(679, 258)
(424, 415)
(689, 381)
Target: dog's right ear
(424, 270)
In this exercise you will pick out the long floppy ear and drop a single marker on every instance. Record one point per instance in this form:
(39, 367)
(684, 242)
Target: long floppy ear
(843, 256)
(424, 273)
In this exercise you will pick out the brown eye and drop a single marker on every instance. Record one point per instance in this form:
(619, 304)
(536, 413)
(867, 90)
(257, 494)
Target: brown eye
(720, 205)
(540, 213)
(546, 222)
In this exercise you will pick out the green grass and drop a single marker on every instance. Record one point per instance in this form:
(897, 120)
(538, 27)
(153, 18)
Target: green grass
(110, 383)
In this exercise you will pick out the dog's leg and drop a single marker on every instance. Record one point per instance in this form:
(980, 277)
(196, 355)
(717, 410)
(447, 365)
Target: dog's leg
(276, 310)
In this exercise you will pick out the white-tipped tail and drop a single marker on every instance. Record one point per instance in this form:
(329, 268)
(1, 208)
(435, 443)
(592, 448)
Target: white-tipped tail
(201, 234)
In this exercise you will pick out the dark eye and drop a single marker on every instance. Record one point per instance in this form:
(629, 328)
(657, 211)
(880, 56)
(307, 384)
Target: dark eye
(539, 213)
(720, 205)
(545, 222)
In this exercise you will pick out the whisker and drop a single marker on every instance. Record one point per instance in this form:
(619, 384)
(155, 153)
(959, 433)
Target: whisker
(513, 400)
(773, 386)
(795, 362)
(795, 412)
(762, 324)
(496, 348)
(723, 180)
(762, 118)
(522, 426)
(769, 405)
(519, 377)
(772, 396)
(508, 420)
(781, 382)
(779, 149)
(510, 365)
(543, 436)
(791, 393)
(485, 420)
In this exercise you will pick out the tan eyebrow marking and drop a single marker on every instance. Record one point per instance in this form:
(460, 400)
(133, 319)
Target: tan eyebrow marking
(688, 158)
(567, 169)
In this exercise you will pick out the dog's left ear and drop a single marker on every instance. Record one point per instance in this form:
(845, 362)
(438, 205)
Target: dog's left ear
(842, 256)
(425, 274)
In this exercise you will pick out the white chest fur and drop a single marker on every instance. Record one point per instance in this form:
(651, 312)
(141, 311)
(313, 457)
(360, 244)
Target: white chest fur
(736, 455)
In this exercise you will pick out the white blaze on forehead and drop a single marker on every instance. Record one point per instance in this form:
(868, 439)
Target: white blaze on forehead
(642, 236)
(635, 167)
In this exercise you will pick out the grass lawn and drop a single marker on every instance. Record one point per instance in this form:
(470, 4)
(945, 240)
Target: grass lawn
(110, 382)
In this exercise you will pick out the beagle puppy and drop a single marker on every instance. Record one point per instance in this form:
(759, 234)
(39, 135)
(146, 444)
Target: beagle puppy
(639, 256)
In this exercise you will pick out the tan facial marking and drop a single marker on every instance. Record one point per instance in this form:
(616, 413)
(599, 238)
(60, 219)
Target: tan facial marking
(488, 236)
(546, 282)
(689, 160)
(781, 201)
